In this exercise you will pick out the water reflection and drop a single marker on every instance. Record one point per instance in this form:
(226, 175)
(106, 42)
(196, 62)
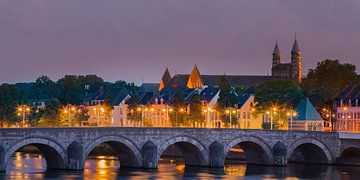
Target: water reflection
(101, 167)
(33, 166)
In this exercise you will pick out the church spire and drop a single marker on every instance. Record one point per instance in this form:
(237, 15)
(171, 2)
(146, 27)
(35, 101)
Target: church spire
(165, 79)
(194, 80)
(296, 62)
(276, 55)
(295, 47)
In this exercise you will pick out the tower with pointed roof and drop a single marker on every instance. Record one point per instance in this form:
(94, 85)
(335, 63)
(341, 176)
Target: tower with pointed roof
(194, 80)
(292, 70)
(276, 55)
(296, 67)
(165, 79)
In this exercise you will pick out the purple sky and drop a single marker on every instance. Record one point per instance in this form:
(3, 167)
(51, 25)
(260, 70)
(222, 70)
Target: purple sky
(136, 39)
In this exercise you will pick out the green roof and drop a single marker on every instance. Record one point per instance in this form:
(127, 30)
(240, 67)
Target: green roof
(306, 111)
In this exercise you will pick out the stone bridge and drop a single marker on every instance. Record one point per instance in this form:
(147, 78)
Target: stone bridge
(67, 148)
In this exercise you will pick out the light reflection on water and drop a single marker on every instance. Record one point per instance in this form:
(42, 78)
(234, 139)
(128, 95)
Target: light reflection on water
(33, 166)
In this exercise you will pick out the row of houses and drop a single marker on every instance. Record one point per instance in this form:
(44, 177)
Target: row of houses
(156, 101)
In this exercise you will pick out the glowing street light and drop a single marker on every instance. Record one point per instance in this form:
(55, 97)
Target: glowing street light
(22, 111)
(291, 114)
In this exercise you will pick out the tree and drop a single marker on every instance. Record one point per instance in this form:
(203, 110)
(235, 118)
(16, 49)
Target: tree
(227, 101)
(50, 117)
(323, 83)
(178, 116)
(93, 81)
(71, 90)
(8, 101)
(279, 94)
(135, 110)
(195, 115)
(44, 88)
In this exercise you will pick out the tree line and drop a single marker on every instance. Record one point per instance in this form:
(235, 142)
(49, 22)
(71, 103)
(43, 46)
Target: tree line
(71, 89)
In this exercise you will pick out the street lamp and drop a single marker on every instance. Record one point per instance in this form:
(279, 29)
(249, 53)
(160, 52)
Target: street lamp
(70, 111)
(271, 113)
(230, 112)
(22, 111)
(291, 114)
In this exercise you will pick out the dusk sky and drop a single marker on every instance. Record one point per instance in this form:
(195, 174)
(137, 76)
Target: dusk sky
(134, 40)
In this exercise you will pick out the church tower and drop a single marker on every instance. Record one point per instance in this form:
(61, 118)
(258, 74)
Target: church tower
(276, 55)
(296, 67)
(194, 80)
(165, 79)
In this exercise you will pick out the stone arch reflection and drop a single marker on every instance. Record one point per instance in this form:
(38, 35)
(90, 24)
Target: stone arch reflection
(182, 151)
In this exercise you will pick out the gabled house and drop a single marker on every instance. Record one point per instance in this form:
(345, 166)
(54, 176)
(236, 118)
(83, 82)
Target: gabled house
(347, 105)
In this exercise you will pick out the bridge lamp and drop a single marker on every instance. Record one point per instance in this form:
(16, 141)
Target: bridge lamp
(227, 111)
(267, 112)
(19, 114)
(233, 111)
(171, 110)
(152, 109)
(102, 110)
(205, 111)
(27, 109)
(73, 109)
(163, 110)
(146, 109)
(94, 109)
(138, 109)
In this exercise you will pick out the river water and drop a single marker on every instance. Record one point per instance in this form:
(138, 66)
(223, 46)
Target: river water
(33, 166)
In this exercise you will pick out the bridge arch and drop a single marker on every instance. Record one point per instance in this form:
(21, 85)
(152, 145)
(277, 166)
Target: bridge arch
(54, 153)
(126, 151)
(349, 155)
(256, 150)
(194, 152)
(309, 151)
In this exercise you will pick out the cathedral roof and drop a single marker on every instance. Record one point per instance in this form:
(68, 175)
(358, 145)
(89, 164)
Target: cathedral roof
(165, 79)
(295, 47)
(194, 80)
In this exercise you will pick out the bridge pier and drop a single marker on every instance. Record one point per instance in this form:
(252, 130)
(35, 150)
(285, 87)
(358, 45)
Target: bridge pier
(279, 154)
(2, 159)
(149, 153)
(216, 155)
(75, 157)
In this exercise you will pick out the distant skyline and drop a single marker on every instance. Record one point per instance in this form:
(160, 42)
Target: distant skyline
(135, 40)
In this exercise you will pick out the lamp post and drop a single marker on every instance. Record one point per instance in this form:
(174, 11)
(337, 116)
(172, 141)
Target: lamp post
(331, 115)
(207, 112)
(23, 109)
(230, 112)
(291, 114)
(271, 112)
